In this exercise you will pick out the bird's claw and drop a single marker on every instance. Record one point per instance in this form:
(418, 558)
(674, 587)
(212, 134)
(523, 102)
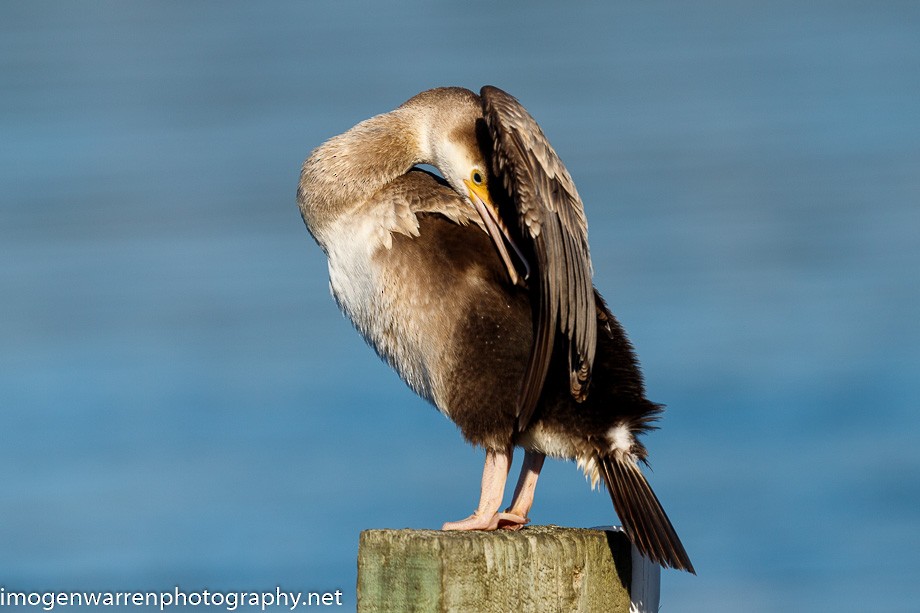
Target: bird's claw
(505, 521)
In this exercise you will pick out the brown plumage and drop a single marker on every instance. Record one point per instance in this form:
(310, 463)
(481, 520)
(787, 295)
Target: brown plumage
(551, 216)
(476, 287)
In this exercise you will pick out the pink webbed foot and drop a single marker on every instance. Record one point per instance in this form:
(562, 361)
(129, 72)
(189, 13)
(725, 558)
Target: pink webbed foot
(511, 521)
(523, 494)
(487, 517)
(505, 521)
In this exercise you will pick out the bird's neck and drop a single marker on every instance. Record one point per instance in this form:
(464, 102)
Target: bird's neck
(342, 174)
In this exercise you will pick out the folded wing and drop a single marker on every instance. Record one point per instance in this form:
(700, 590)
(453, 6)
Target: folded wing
(550, 215)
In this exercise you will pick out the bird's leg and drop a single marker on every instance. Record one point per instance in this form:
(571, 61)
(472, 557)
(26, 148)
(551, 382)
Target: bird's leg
(487, 517)
(523, 492)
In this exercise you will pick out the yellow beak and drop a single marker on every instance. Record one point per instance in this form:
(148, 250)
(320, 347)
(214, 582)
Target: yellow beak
(497, 230)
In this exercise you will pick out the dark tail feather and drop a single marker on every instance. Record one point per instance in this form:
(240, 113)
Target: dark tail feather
(645, 522)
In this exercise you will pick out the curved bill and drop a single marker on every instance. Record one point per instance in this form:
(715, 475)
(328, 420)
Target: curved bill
(498, 232)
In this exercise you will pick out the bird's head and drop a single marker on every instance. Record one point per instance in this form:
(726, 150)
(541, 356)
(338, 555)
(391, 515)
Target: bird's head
(466, 168)
(456, 141)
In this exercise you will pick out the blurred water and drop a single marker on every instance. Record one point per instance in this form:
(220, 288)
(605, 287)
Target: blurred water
(181, 403)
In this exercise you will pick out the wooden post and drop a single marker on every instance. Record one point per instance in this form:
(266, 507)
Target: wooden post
(536, 569)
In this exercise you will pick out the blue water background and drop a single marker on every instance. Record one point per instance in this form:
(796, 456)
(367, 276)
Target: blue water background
(182, 404)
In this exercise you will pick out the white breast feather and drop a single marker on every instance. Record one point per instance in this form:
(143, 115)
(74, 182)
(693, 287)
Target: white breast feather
(362, 286)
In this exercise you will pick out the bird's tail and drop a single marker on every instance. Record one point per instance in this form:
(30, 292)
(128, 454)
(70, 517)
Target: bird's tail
(645, 522)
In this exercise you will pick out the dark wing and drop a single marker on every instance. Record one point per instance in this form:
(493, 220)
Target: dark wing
(550, 215)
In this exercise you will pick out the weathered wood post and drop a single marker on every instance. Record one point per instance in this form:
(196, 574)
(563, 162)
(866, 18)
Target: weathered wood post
(538, 569)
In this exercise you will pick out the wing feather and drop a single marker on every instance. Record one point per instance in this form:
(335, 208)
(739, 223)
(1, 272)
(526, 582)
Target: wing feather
(551, 216)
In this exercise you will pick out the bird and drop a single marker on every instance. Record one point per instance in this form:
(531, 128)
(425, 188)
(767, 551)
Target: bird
(475, 283)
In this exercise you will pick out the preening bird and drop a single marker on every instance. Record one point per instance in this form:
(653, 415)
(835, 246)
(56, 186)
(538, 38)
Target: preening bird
(476, 287)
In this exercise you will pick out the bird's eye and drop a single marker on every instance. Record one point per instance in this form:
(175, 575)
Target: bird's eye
(477, 177)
